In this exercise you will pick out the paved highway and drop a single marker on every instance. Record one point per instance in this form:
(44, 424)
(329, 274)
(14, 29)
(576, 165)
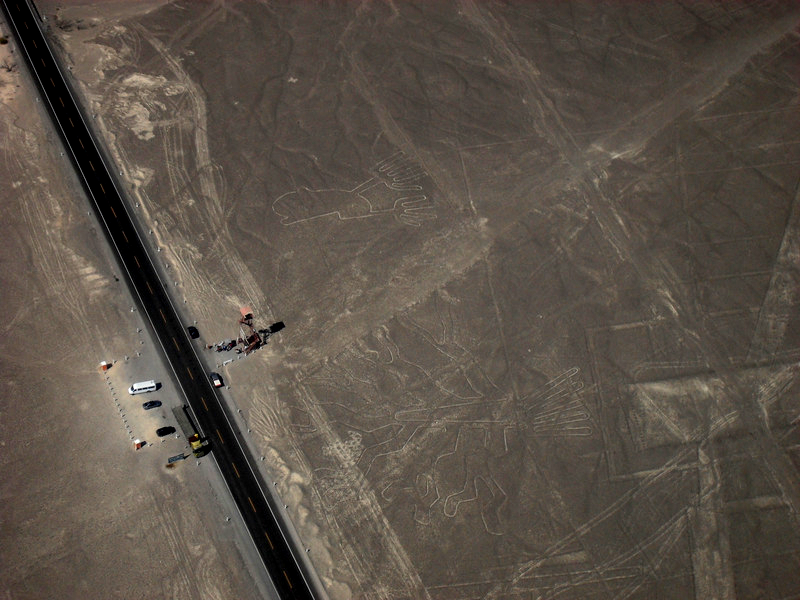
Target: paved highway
(230, 454)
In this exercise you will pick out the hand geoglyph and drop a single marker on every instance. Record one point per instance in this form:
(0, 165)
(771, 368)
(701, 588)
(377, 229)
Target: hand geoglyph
(395, 188)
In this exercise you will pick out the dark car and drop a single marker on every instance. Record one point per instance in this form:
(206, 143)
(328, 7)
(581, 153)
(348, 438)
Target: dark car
(151, 404)
(162, 431)
(193, 333)
(215, 379)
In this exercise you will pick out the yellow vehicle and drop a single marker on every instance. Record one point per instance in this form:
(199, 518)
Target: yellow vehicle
(197, 445)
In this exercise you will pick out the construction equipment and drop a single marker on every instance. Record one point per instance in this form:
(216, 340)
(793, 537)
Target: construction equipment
(249, 338)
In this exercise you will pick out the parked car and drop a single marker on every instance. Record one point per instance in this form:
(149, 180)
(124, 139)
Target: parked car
(193, 333)
(215, 379)
(151, 404)
(142, 387)
(162, 431)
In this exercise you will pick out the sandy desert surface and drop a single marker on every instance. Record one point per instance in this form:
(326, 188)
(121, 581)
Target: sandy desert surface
(538, 265)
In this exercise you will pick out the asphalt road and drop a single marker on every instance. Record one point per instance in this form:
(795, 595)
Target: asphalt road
(230, 454)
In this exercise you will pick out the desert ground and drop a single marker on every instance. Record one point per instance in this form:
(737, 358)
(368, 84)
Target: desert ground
(538, 266)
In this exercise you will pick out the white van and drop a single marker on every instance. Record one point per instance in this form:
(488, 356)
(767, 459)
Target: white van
(142, 386)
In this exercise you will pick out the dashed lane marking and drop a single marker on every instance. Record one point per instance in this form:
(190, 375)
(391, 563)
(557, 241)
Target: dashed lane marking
(187, 368)
(149, 288)
(176, 344)
(219, 435)
(271, 547)
(125, 236)
(206, 407)
(136, 258)
(102, 189)
(80, 141)
(163, 318)
(287, 580)
(71, 124)
(235, 470)
(60, 100)
(253, 506)
(91, 165)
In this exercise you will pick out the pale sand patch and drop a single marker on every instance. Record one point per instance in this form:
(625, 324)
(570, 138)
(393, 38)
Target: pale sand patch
(9, 65)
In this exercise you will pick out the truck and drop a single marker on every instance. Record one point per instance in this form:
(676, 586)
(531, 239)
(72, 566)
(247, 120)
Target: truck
(198, 448)
(198, 445)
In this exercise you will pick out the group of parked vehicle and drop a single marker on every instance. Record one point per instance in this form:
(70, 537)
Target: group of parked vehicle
(143, 387)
